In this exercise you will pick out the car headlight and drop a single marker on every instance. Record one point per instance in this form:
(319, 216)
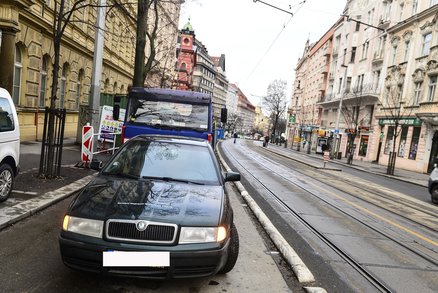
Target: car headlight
(202, 234)
(83, 226)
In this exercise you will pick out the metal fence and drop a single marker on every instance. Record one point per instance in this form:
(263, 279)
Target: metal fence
(52, 143)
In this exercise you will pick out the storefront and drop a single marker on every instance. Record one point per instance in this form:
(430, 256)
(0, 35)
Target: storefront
(405, 141)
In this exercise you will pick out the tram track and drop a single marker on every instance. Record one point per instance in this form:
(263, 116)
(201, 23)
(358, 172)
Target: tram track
(362, 270)
(392, 201)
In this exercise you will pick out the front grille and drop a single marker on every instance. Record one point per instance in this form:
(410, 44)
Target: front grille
(153, 233)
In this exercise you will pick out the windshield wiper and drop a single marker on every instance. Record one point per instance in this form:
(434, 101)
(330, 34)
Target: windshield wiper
(172, 179)
(120, 174)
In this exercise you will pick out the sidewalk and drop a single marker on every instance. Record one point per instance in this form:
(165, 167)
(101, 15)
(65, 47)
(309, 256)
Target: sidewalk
(32, 194)
(316, 160)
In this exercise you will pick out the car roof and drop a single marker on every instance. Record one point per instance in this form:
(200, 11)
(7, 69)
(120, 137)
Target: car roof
(173, 139)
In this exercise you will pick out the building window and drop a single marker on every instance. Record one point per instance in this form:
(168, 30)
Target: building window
(432, 88)
(353, 54)
(63, 86)
(365, 50)
(348, 85)
(414, 7)
(417, 92)
(400, 17)
(17, 75)
(343, 57)
(43, 82)
(402, 144)
(394, 54)
(414, 143)
(389, 140)
(79, 89)
(340, 85)
(427, 39)
(407, 44)
(357, 24)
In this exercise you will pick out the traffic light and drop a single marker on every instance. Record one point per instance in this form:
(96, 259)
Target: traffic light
(224, 113)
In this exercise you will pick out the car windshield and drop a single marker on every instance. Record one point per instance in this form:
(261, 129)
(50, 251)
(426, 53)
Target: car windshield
(166, 161)
(173, 114)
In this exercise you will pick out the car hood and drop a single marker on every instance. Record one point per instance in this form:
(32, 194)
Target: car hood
(172, 202)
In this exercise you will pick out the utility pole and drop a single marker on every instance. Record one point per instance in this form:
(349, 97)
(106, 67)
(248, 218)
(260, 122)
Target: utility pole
(94, 103)
(335, 146)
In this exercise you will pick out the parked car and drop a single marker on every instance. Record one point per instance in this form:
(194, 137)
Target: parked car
(9, 144)
(157, 209)
(433, 183)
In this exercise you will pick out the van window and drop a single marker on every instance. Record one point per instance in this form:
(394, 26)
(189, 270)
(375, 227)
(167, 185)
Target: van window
(6, 118)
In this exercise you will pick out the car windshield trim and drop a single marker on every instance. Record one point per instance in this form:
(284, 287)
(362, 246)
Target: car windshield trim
(172, 179)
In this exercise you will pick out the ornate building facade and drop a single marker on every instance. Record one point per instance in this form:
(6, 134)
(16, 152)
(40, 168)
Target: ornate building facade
(26, 55)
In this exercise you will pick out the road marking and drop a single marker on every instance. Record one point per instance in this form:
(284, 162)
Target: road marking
(381, 218)
(25, 192)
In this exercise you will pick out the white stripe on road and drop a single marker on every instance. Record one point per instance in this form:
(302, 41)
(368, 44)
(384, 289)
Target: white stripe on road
(24, 192)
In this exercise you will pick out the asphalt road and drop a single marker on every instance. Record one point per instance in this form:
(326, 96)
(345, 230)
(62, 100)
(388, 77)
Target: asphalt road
(31, 262)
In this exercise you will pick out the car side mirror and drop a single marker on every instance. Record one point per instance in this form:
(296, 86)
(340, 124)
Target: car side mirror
(96, 165)
(232, 176)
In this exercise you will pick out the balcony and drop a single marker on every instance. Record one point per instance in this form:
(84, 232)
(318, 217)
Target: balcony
(377, 58)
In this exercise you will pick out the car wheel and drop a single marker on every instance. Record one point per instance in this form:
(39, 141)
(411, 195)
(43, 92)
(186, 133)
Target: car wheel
(434, 194)
(6, 181)
(233, 251)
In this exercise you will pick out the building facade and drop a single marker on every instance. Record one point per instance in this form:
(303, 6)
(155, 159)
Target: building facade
(409, 93)
(27, 57)
(381, 77)
(246, 113)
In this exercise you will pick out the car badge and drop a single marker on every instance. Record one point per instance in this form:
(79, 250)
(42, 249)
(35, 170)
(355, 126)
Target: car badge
(141, 226)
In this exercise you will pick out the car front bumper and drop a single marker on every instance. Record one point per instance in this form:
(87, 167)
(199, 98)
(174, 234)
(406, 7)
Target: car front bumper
(186, 261)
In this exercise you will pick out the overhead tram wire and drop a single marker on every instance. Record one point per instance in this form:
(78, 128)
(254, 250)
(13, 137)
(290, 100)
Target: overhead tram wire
(275, 39)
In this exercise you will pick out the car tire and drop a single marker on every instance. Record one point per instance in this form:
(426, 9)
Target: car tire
(434, 194)
(6, 181)
(233, 251)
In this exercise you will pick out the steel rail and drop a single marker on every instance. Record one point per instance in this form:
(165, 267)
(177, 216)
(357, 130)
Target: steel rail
(375, 281)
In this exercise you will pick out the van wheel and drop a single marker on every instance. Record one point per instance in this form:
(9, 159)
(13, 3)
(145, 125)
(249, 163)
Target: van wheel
(233, 251)
(6, 181)
(434, 194)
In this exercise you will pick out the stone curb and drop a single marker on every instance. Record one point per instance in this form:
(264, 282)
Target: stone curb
(11, 215)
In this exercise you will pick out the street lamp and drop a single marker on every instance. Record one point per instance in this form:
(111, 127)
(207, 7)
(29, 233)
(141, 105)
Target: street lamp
(336, 142)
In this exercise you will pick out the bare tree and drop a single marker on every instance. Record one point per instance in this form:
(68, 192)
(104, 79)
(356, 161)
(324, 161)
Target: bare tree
(233, 122)
(149, 23)
(275, 102)
(63, 11)
(352, 111)
(394, 109)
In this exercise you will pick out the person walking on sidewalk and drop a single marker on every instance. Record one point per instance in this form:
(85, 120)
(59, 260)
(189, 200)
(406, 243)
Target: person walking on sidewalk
(266, 141)
(235, 136)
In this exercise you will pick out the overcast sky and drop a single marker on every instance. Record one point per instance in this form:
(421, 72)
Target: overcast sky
(260, 43)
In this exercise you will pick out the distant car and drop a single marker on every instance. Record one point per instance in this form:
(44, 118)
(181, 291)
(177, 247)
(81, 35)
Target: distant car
(433, 183)
(9, 144)
(157, 209)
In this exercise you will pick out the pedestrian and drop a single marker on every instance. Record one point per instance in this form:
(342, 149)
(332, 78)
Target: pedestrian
(235, 136)
(266, 140)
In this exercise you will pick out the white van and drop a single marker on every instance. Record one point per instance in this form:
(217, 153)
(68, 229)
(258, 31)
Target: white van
(9, 144)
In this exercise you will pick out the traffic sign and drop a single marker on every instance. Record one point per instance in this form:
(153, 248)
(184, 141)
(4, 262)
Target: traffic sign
(87, 143)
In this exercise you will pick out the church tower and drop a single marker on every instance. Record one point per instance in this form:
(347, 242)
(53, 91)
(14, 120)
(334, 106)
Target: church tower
(186, 54)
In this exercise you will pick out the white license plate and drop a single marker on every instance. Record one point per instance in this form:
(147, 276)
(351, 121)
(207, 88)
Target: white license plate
(136, 259)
